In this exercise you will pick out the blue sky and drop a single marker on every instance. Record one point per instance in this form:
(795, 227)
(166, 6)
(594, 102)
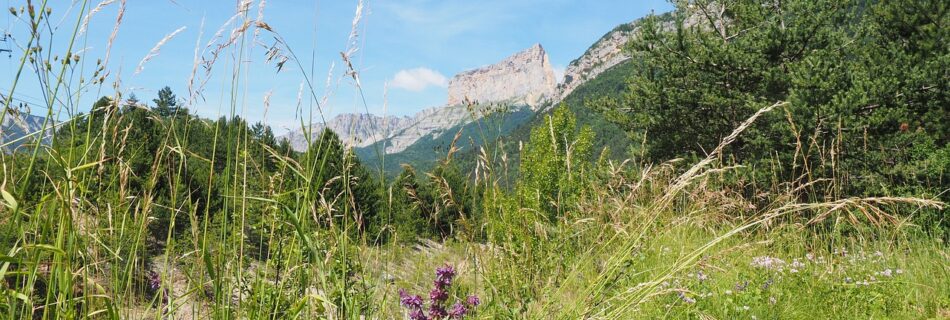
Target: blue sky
(414, 45)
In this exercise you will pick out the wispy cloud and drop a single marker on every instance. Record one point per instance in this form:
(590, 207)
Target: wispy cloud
(558, 73)
(447, 18)
(418, 79)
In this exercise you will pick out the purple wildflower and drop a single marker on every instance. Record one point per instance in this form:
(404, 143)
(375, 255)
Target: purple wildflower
(442, 283)
(767, 262)
(154, 280)
(797, 264)
(444, 276)
(741, 286)
(437, 299)
(438, 295)
(437, 312)
(701, 276)
(887, 273)
(446, 272)
(767, 284)
(686, 299)
(458, 311)
(473, 300)
(417, 314)
(410, 301)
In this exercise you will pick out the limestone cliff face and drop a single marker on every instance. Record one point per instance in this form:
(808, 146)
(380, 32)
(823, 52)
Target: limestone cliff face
(525, 77)
(429, 121)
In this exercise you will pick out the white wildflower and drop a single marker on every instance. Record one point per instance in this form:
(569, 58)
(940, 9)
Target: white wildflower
(767, 262)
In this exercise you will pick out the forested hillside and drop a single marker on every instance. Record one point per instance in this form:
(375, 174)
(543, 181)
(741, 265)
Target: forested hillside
(861, 93)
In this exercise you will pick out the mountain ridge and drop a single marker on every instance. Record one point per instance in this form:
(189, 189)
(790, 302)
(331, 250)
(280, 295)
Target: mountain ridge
(16, 126)
(524, 78)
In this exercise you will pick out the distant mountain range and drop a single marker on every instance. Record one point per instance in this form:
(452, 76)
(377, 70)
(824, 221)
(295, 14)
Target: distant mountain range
(523, 85)
(525, 79)
(16, 126)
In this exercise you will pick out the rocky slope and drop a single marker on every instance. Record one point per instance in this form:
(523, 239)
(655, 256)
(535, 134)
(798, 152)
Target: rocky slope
(525, 78)
(602, 55)
(526, 75)
(608, 51)
(17, 125)
(354, 129)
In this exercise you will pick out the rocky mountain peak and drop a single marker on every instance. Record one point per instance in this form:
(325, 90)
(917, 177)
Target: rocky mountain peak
(525, 77)
(602, 55)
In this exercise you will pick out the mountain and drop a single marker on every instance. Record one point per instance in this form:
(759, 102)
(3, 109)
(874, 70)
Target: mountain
(507, 130)
(16, 126)
(605, 53)
(354, 129)
(610, 83)
(600, 72)
(526, 76)
(601, 56)
(523, 79)
(523, 85)
(426, 151)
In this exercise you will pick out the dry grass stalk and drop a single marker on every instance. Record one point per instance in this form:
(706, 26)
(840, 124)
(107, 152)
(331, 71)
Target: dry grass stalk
(99, 7)
(155, 50)
(115, 30)
(352, 40)
(683, 180)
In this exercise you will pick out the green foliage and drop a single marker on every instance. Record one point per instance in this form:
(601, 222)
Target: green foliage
(449, 194)
(408, 207)
(334, 171)
(166, 105)
(607, 134)
(553, 162)
(494, 124)
(866, 86)
(439, 206)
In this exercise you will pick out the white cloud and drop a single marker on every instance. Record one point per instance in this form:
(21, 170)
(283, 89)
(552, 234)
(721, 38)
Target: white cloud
(558, 73)
(418, 79)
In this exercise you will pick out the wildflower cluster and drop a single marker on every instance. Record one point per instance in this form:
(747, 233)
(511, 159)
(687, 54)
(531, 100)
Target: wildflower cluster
(437, 299)
(767, 262)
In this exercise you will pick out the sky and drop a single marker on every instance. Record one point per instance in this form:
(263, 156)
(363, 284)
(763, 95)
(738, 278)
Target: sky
(405, 50)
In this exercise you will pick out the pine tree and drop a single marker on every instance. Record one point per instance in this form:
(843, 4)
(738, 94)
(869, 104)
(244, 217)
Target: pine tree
(865, 81)
(166, 104)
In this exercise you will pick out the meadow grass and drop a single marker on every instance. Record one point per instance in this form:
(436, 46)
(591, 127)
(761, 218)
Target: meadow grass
(642, 241)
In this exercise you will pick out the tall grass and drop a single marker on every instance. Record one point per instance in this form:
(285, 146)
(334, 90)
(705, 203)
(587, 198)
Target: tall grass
(283, 246)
